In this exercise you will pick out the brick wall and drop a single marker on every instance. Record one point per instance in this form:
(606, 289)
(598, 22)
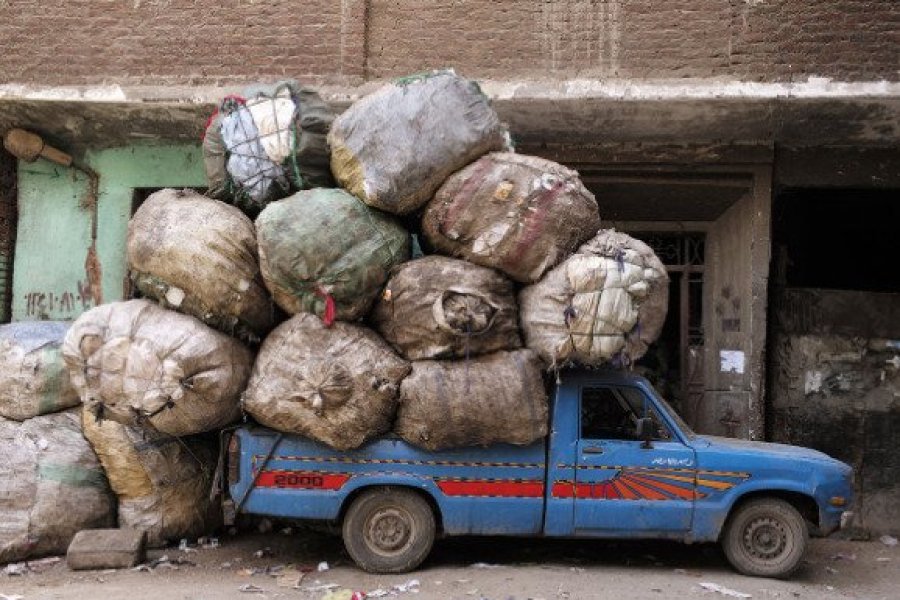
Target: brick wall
(165, 42)
(206, 42)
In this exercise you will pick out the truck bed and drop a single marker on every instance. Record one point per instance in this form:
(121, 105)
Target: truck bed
(491, 491)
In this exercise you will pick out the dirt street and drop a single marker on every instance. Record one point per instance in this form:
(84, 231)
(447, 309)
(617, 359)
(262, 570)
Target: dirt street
(267, 566)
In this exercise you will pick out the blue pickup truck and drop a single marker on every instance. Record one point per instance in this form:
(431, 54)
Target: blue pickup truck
(618, 463)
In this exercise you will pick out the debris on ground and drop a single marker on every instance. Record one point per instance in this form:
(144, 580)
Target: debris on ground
(290, 578)
(249, 588)
(482, 565)
(831, 570)
(888, 540)
(410, 586)
(843, 556)
(715, 587)
(343, 594)
(322, 567)
(265, 552)
(321, 587)
(30, 566)
(164, 562)
(264, 526)
(11, 597)
(208, 543)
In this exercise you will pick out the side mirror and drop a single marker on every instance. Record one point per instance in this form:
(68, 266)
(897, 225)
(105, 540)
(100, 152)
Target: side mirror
(645, 429)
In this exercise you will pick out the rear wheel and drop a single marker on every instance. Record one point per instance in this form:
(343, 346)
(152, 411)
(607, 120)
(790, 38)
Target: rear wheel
(765, 538)
(389, 530)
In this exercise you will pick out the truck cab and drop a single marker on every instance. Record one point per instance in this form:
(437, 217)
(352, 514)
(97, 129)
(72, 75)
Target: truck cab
(618, 463)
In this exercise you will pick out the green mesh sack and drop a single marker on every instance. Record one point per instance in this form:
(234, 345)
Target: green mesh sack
(324, 252)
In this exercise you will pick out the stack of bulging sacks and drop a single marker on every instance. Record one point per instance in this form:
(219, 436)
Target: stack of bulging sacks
(51, 483)
(432, 347)
(311, 308)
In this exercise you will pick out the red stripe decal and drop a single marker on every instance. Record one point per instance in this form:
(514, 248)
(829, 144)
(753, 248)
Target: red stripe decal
(303, 480)
(502, 488)
(563, 489)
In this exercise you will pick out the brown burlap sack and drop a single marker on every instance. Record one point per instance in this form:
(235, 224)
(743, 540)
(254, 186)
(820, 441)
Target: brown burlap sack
(605, 303)
(33, 376)
(337, 385)
(140, 364)
(162, 482)
(51, 486)
(394, 147)
(496, 398)
(198, 256)
(438, 307)
(519, 214)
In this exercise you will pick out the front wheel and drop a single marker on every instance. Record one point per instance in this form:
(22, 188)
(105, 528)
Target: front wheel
(389, 530)
(765, 538)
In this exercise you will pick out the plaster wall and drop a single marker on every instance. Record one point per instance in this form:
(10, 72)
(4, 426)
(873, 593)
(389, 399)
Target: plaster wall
(52, 274)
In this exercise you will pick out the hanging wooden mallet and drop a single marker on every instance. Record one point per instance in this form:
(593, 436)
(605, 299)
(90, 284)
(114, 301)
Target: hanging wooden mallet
(28, 146)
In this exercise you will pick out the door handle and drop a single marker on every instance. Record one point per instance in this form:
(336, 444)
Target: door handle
(593, 450)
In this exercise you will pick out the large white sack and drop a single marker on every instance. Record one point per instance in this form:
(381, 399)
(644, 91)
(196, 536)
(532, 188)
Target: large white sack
(198, 256)
(162, 482)
(33, 377)
(140, 364)
(605, 303)
(51, 486)
(337, 385)
(439, 307)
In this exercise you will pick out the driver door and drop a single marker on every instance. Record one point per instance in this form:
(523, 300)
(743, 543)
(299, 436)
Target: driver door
(621, 487)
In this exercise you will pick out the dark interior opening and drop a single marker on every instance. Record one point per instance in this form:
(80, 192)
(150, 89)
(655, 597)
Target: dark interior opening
(837, 239)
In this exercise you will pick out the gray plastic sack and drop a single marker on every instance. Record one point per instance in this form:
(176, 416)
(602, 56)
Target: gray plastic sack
(337, 385)
(438, 307)
(605, 303)
(519, 214)
(143, 365)
(51, 486)
(33, 377)
(198, 256)
(496, 398)
(394, 147)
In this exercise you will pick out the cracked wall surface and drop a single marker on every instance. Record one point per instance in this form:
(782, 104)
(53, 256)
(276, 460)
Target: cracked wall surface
(835, 386)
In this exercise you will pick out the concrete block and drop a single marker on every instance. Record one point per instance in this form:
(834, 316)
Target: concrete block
(106, 549)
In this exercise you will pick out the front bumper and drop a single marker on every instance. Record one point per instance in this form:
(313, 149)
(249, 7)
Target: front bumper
(831, 519)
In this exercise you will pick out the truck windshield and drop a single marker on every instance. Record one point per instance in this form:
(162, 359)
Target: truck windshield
(685, 429)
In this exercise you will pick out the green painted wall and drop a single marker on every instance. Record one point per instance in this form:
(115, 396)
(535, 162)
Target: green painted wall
(54, 229)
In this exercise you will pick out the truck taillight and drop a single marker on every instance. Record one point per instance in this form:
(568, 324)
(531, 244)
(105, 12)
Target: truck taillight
(234, 459)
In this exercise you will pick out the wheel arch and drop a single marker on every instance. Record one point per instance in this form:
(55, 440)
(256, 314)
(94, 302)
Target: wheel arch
(421, 492)
(805, 504)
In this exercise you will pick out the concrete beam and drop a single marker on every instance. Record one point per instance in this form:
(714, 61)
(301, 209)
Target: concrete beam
(561, 112)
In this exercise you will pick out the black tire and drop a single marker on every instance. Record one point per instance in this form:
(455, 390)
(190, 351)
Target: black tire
(389, 530)
(765, 538)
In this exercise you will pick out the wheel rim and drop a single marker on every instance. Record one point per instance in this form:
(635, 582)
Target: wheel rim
(389, 531)
(766, 539)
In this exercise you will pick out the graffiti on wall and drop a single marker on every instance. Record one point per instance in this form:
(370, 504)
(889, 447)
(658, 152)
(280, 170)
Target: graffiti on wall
(59, 304)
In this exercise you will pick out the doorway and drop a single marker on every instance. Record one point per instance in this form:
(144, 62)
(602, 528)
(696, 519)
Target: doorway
(675, 362)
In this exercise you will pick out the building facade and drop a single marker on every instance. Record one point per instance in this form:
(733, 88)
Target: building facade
(753, 143)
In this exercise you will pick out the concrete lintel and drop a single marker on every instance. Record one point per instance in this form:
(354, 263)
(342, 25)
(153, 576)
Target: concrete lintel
(705, 113)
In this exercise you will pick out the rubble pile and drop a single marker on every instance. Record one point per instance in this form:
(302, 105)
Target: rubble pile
(312, 309)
